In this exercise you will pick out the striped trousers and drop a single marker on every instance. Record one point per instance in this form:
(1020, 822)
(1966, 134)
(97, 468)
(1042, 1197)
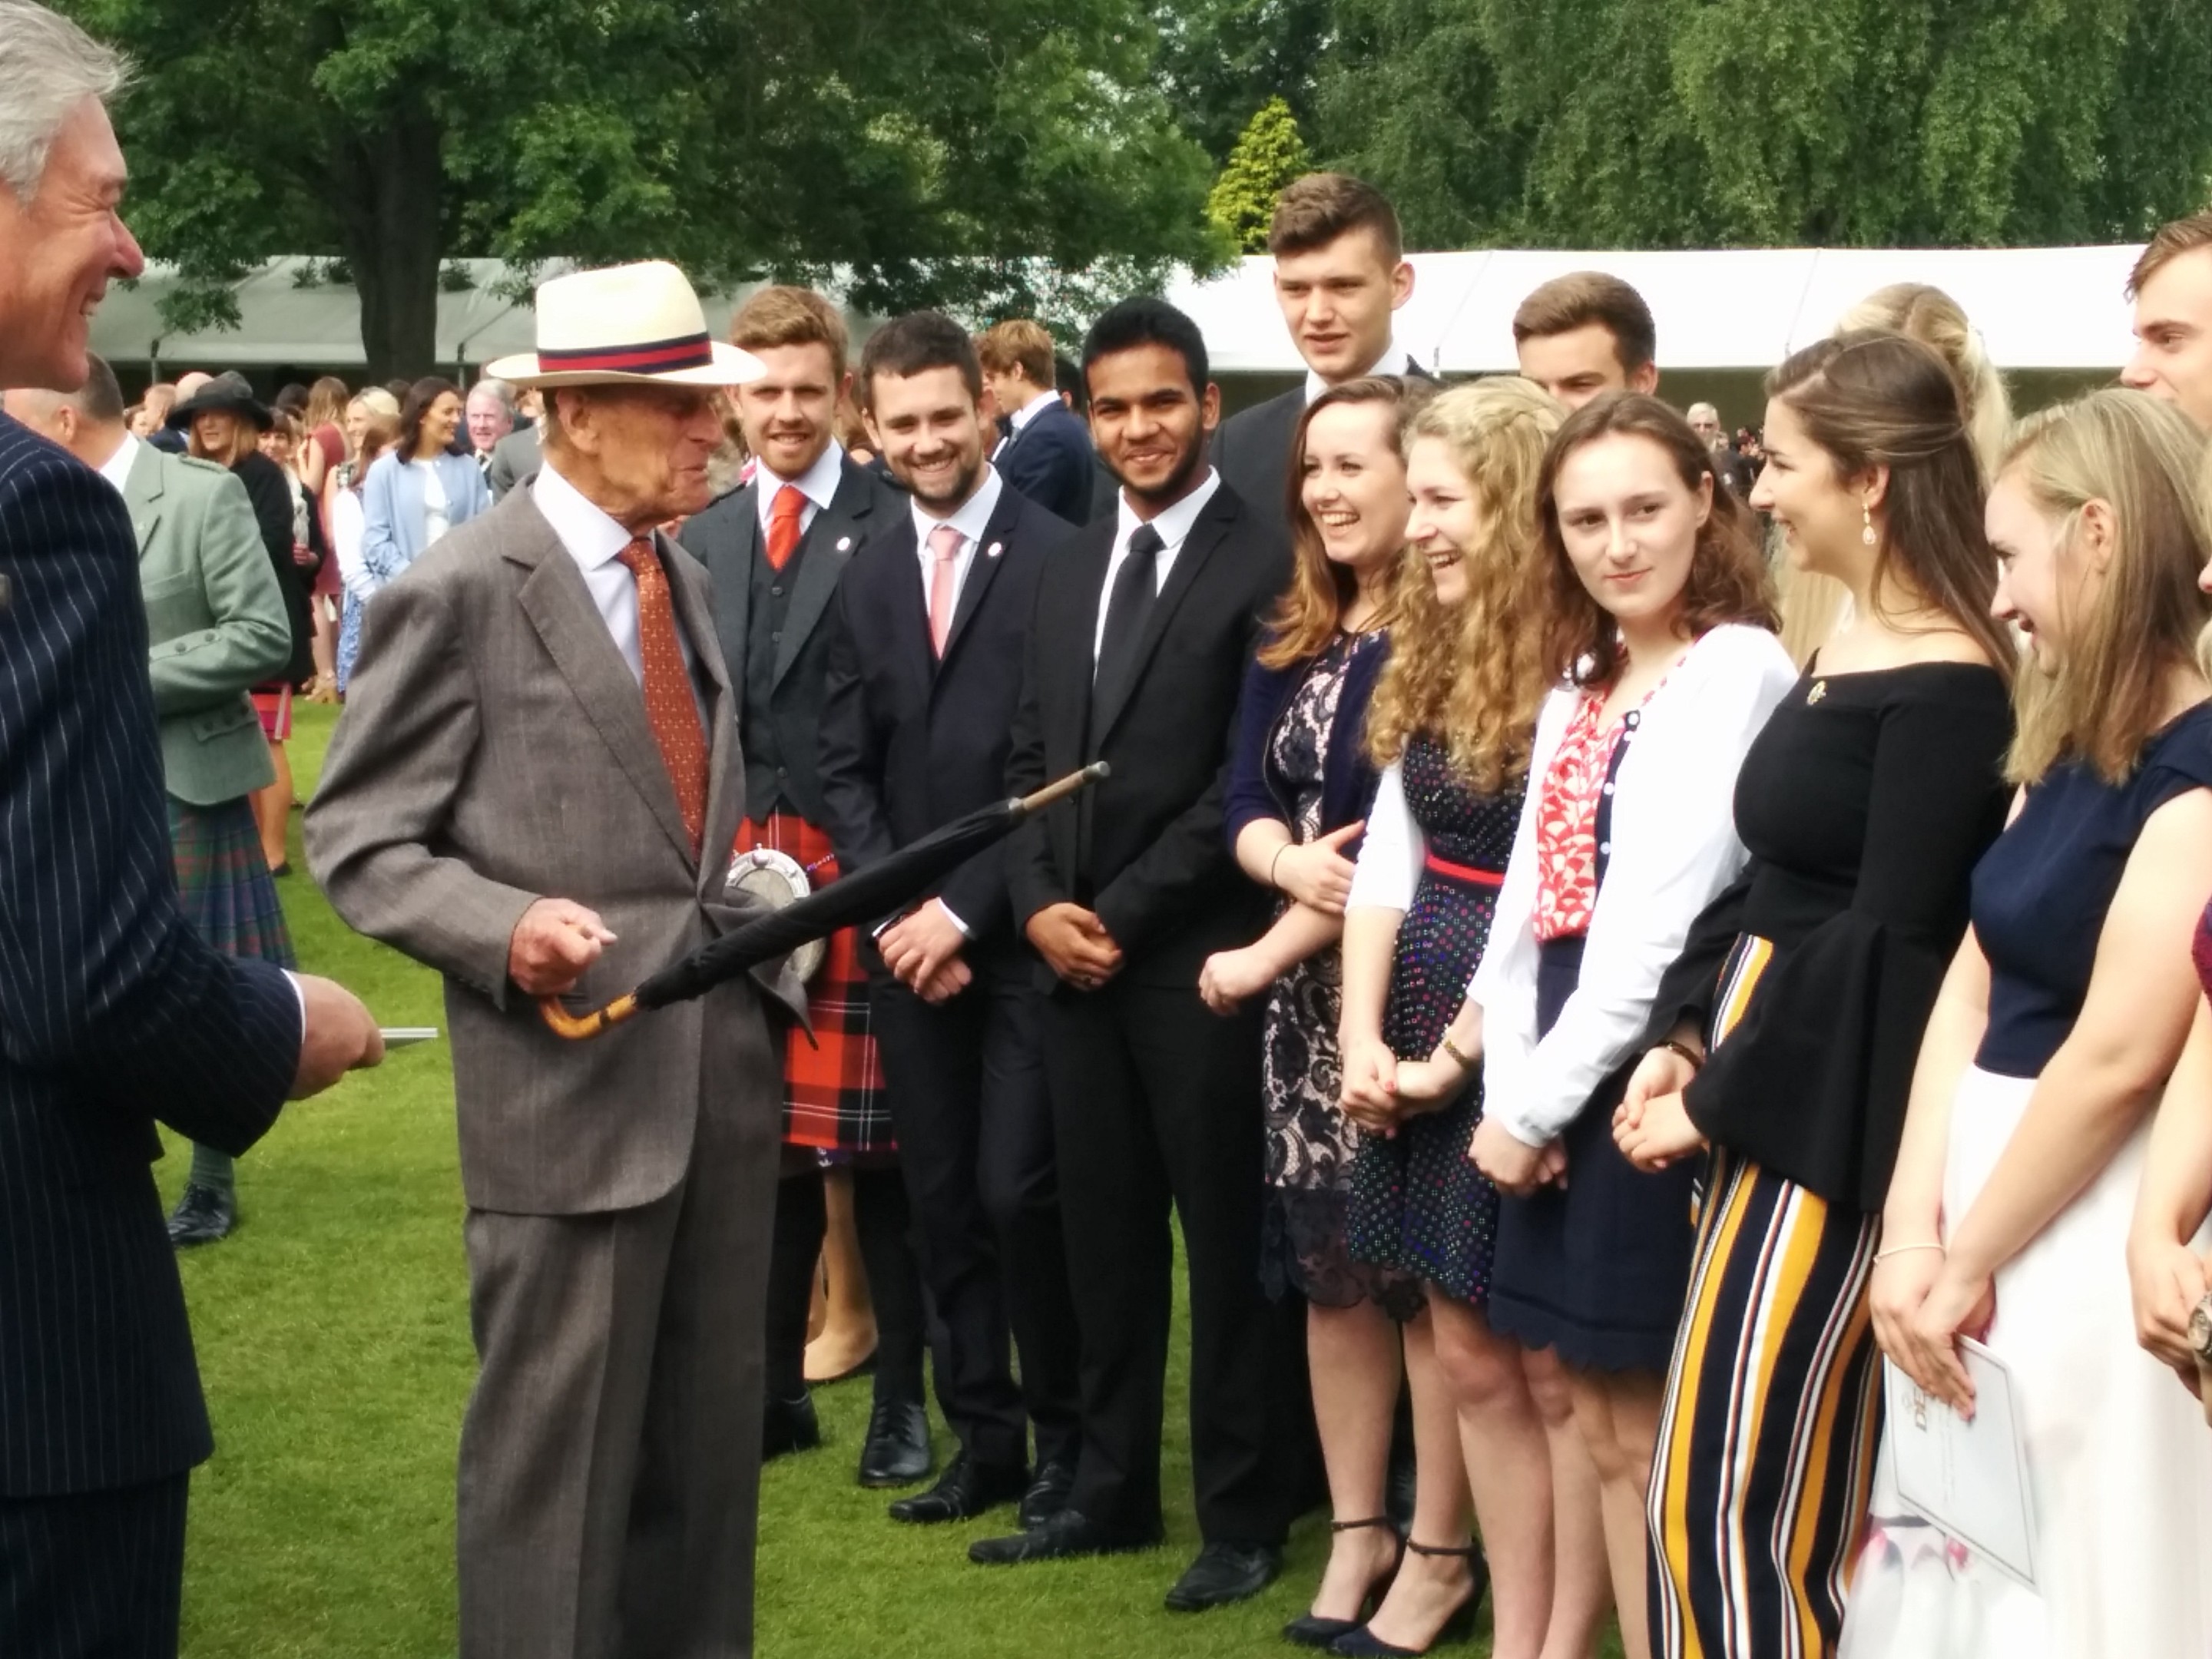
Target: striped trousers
(92, 1575)
(1767, 1437)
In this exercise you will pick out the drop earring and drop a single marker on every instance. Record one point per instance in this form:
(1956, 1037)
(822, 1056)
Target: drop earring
(1865, 520)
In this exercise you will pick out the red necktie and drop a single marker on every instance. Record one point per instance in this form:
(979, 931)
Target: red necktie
(944, 548)
(784, 516)
(670, 707)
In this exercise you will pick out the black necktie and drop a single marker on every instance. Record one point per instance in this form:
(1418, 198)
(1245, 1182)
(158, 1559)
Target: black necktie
(1128, 606)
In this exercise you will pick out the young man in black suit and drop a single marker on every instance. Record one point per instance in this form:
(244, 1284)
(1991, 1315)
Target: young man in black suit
(1140, 640)
(1046, 453)
(776, 548)
(1340, 277)
(925, 651)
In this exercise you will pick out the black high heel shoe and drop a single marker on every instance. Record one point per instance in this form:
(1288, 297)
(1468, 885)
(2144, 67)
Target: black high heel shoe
(1310, 1630)
(1363, 1644)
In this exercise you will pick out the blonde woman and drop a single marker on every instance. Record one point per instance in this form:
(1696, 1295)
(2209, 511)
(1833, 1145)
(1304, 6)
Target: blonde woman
(2061, 1015)
(1452, 723)
(1813, 605)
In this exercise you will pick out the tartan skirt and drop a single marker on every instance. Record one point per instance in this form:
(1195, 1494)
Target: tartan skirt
(832, 1086)
(223, 882)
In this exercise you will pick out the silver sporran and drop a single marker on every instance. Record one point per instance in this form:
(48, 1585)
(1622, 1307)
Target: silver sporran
(778, 879)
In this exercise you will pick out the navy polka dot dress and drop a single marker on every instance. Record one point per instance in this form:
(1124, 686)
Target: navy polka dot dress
(1417, 1204)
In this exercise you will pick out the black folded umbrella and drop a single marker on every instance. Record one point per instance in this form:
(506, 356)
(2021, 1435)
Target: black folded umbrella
(861, 897)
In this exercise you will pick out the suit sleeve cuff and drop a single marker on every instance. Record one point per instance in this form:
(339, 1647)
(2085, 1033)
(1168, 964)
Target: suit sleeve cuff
(953, 916)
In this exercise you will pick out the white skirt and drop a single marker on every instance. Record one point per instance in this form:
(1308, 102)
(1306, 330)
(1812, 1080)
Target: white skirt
(2118, 1454)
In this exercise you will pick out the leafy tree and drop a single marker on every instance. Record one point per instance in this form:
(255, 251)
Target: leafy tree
(967, 153)
(1219, 60)
(1690, 123)
(1267, 157)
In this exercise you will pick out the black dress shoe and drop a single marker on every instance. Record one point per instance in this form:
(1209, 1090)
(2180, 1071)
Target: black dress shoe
(1048, 1494)
(896, 1451)
(1059, 1538)
(1361, 1642)
(789, 1426)
(1224, 1573)
(964, 1492)
(1311, 1630)
(203, 1215)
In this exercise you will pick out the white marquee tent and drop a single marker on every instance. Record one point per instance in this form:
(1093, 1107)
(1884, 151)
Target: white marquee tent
(1728, 310)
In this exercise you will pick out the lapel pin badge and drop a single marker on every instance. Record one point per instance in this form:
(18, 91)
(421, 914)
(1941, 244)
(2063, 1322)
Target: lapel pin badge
(994, 549)
(844, 543)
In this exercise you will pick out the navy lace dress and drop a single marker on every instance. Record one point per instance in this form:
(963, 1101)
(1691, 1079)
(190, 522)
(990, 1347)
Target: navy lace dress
(1418, 1204)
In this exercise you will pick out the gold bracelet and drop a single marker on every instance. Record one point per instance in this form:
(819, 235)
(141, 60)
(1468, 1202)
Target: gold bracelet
(1905, 1249)
(1452, 1048)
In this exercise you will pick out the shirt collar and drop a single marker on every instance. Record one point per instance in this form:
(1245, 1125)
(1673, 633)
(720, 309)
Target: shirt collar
(592, 537)
(1028, 411)
(818, 484)
(974, 517)
(1175, 524)
(1395, 360)
(116, 469)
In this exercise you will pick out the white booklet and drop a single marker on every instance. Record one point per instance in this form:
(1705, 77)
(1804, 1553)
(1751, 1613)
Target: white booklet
(1969, 1478)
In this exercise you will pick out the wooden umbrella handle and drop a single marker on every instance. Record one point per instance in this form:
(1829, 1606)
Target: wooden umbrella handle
(577, 1027)
(1060, 791)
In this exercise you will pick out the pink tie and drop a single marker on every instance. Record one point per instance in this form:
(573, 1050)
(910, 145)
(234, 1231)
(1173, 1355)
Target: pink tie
(943, 548)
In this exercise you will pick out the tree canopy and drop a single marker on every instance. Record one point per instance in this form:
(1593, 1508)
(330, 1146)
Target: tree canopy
(980, 153)
(1269, 155)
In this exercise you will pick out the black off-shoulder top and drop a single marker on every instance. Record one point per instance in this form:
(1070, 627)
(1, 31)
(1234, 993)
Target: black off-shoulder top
(1864, 803)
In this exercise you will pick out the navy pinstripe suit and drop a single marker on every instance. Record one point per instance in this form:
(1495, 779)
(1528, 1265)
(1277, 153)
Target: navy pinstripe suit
(113, 1013)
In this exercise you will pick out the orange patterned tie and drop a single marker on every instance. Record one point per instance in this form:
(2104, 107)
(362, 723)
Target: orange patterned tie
(670, 707)
(786, 514)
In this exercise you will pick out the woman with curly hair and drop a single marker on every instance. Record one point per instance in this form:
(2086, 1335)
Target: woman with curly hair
(1451, 725)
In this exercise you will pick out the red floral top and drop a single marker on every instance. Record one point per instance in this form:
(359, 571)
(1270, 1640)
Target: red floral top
(1567, 830)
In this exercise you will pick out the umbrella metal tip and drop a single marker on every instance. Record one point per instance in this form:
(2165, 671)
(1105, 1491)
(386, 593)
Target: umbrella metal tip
(1097, 771)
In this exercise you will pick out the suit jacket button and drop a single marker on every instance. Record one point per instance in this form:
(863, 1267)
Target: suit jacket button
(776, 638)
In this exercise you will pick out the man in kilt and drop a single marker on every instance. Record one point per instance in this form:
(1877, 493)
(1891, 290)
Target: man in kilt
(776, 548)
(217, 624)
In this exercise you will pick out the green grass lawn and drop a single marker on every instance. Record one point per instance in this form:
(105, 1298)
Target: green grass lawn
(333, 1337)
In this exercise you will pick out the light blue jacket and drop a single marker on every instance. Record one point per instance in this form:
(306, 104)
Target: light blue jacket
(393, 532)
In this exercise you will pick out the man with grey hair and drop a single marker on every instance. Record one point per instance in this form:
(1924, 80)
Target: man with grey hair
(489, 412)
(1728, 466)
(113, 1011)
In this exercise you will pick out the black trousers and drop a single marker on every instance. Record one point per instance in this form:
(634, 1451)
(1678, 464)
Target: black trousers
(94, 1575)
(967, 1090)
(1156, 1103)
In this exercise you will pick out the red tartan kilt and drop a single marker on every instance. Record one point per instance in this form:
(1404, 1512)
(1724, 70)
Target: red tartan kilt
(832, 1086)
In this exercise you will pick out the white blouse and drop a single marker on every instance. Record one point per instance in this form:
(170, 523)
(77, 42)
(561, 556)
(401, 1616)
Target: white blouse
(1673, 849)
(1391, 849)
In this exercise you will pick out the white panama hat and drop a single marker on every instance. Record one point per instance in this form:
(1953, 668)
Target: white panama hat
(627, 325)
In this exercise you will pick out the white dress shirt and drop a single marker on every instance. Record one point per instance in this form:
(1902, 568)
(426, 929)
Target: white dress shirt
(1174, 526)
(972, 519)
(1395, 360)
(116, 469)
(595, 541)
(1673, 849)
(1021, 417)
(818, 484)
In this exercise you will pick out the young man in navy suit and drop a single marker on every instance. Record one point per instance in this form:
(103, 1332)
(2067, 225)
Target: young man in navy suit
(925, 647)
(1341, 276)
(1046, 453)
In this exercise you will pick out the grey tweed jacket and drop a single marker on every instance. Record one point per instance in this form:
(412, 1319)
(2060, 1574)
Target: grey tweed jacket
(494, 749)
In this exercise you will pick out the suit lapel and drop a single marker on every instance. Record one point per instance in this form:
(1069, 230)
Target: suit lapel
(837, 529)
(1197, 548)
(559, 606)
(142, 494)
(694, 616)
(909, 604)
(983, 567)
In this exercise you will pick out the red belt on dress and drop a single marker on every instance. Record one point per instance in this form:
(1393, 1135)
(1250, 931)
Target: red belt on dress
(1464, 872)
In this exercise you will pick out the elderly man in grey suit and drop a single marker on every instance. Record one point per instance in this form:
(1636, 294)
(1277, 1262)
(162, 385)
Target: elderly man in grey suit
(534, 788)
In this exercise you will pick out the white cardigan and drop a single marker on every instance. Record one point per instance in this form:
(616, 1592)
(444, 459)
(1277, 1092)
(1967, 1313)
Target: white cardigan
(1674, 850)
